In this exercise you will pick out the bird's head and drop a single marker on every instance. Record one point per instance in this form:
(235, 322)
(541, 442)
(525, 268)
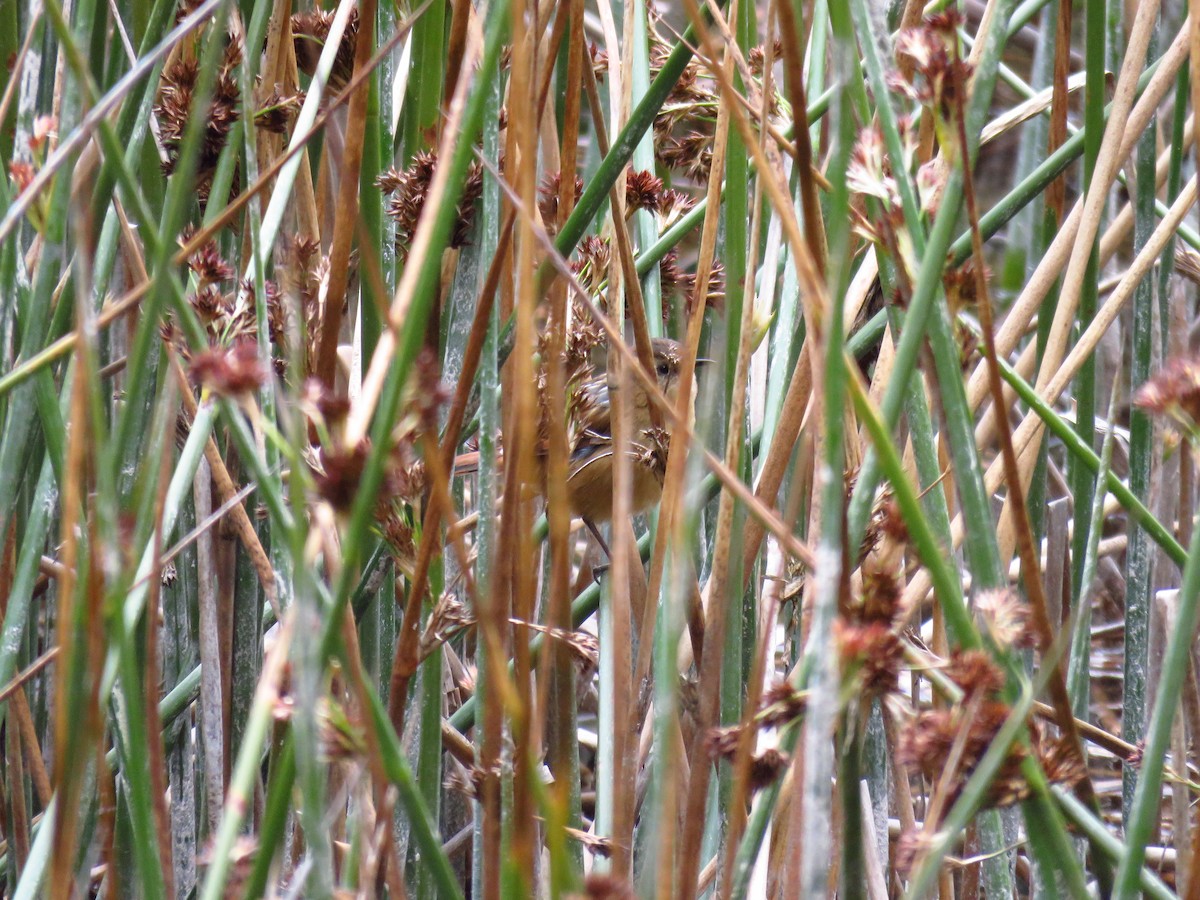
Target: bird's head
(668, 359)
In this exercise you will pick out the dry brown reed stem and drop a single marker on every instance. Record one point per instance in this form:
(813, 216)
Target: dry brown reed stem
(670, 523)
(715, 624)
(794, 44)
(515, 583)
(1119, 136)
(76, 725)
(1113, 239)
(1056, 191)
(363, 407)
(1029, 431)
(16, 690)
(1026, 540)
(346, 208)
(18, 681)
(18, 844)
(555, 658)
(461, 15)
(1023, 309)
(33, 751)
(156, 758)
(211, 735)
(625, 300)
(719, 574)
(226, 492)
(1051, 267)
(357, 681)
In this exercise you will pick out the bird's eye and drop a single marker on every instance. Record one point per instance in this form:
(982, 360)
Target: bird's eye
(663, 370)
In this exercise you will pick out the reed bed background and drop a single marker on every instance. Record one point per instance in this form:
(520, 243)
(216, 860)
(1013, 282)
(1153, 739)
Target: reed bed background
(915, 615)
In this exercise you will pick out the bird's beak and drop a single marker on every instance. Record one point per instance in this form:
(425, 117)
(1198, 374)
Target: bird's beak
(704, 362)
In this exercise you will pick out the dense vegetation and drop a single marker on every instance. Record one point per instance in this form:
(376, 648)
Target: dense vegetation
(309, 317)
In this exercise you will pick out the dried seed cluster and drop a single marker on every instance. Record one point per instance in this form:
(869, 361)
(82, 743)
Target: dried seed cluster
(1173, 391)
(310, 31)
(408, 189)
(176, 97)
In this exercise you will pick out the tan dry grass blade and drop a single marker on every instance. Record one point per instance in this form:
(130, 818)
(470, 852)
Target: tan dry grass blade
(1023, 112)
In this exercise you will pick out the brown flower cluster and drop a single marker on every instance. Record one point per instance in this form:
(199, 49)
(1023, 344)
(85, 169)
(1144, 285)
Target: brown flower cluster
(227, 308)
(310, 31)
(1173, 391)
(324, 408)
(548, 194)
(278, 111)
(408, 189)
(871, 175)
(580, 379)
(689, 152)
(757, 56)
(583, 336)
(233, 371)
(867, 632)
(1004, 616)
(206, 263)
(342, 737)
(969, 728)
(939, 72)
(677, 282)
(22, 174)
(765, 766)
(651, 450)
(592, 259)
(337, 471)
(397, 508)
(673, 205)
(683, 128)
(176, 97)
(781, 705)
(962, 286)
(643, 190)
(23, 171)
(605, 887)
(448, 618)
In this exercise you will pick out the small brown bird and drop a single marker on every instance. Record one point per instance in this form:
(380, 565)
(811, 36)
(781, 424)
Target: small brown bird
(590, 470)
(590, 475)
